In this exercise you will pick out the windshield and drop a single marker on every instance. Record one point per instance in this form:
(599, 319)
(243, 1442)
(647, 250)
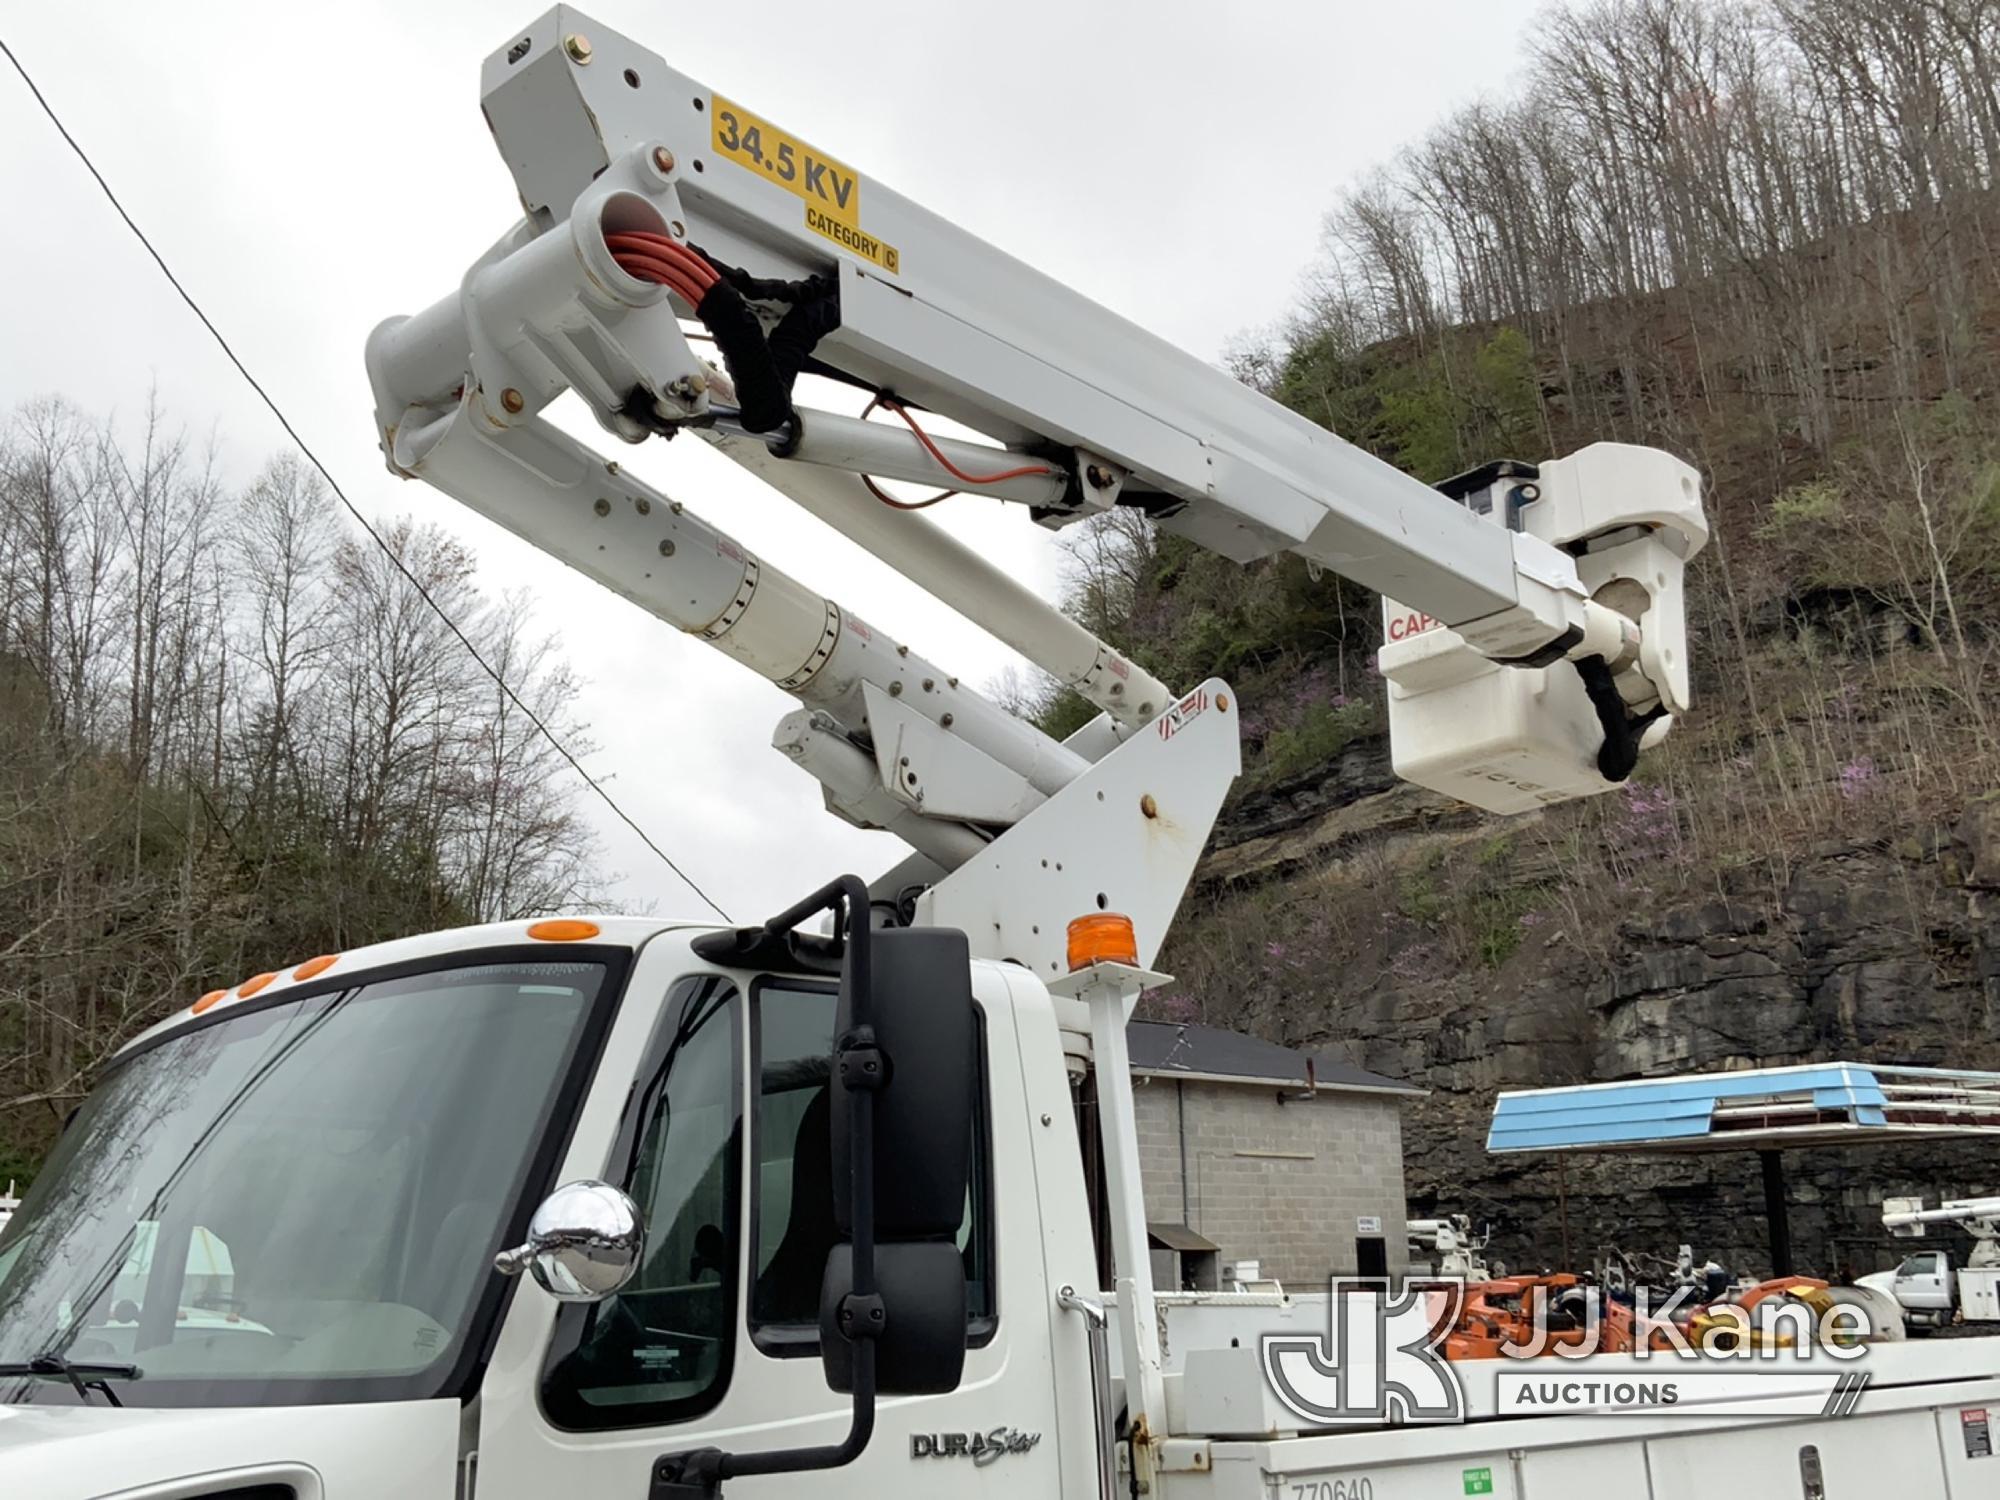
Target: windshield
(301, 1202)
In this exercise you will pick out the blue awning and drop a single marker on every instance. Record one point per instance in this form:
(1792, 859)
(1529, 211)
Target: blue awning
(1754, 1109)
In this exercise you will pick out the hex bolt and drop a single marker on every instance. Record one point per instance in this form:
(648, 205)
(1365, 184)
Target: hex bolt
(512, 399)
(1099, 477)
(663, 159)
(602, 507)
(666, 548)
(895, 690)
(945, 722)
(577, 45)
(1148, 806)
(643, 506)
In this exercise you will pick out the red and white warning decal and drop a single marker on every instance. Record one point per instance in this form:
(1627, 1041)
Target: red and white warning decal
(1180, 715)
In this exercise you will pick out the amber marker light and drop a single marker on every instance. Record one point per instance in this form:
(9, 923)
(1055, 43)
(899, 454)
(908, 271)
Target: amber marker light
(562, 930)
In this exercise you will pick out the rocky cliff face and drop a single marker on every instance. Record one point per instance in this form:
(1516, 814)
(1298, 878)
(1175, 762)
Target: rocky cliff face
(1867, 950)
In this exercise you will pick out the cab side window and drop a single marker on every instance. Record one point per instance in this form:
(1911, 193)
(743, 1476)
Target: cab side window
(791, 1173)
(661, 1349)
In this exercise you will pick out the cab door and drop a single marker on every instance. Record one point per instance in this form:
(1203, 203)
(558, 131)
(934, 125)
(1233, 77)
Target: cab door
(717, 1125)
(1921, 1283)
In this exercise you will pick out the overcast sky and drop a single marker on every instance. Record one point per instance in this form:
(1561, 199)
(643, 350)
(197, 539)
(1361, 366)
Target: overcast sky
(311, 169)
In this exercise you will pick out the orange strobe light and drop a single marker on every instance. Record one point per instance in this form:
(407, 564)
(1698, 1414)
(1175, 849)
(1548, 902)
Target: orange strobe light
(1104, 937)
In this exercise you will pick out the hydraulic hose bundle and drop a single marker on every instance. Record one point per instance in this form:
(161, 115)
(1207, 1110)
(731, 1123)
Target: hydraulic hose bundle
(763, 367)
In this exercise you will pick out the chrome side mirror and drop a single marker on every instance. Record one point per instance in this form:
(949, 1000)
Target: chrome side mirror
(584, 1243)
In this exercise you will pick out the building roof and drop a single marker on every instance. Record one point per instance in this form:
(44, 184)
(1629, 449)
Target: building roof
(1181, 1238)
(1169, 1049)
(1756, 1109)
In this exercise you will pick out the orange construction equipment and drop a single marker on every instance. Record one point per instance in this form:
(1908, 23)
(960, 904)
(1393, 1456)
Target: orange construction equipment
(1526, 1316)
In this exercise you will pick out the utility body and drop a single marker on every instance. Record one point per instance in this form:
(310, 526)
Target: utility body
(848, 1200)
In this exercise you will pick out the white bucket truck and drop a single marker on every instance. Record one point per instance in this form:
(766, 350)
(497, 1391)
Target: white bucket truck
(808, 1213)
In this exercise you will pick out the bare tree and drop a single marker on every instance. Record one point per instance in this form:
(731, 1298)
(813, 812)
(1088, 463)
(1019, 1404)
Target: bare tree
(231, 733)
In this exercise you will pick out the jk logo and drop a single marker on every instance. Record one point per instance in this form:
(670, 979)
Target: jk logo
(1381, 1359)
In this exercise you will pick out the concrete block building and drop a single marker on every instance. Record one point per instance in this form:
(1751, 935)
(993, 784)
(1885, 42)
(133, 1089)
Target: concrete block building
(1249, 1151)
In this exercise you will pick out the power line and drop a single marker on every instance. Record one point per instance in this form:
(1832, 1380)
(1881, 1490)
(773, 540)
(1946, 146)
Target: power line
(340, 494)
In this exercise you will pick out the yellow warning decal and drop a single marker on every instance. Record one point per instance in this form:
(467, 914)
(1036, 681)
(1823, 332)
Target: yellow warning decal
(831, 189)
(757, 144)
(849, 238)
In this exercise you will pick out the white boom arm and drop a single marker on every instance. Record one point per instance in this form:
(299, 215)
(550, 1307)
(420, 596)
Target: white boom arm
(1906, 1218)
(1981, 1216)
(823, 271)
(1460, 1251)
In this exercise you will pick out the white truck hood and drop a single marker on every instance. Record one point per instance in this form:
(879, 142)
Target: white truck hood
(325, 1452)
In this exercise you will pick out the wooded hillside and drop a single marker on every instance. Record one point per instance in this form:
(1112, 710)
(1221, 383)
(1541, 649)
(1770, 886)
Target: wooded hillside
(232, 733)
(1761, 235)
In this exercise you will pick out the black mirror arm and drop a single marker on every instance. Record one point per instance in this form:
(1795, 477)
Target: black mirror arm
(698, 1474)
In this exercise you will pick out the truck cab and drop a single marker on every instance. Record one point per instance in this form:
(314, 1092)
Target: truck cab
(1925, 1283)
(356, 1140)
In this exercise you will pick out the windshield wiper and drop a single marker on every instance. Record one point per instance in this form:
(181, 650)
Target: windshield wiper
(86, 1377)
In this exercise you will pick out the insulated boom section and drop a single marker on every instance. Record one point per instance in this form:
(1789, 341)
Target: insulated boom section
(950, 322)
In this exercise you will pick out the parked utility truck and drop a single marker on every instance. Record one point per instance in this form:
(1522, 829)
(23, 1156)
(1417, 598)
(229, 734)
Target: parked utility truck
(803, 1204)
(1937, 1287)
(1460, 1250)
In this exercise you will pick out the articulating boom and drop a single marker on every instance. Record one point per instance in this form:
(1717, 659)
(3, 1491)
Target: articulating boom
(1906, 1218)
(649, 198)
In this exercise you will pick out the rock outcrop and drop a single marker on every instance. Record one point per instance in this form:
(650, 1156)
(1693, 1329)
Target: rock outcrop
(1868, 950)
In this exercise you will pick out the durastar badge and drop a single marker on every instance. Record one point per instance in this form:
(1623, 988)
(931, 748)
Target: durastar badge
(982, 1448)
